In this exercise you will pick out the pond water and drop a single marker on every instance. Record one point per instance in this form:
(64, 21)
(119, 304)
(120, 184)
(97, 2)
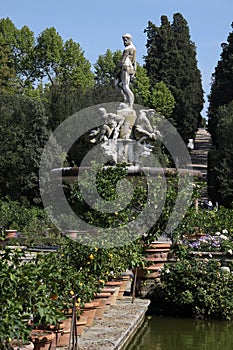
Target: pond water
(167, 333)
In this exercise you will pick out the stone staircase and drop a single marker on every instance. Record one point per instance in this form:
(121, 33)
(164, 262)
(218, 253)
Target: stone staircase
(156, 255)
(199, 156)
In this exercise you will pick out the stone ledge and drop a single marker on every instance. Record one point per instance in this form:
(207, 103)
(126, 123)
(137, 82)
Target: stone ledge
(116, 327)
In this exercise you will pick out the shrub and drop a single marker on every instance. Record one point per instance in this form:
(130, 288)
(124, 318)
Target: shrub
(196, 288)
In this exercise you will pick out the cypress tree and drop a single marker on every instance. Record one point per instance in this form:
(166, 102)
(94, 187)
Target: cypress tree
(221, 92)
(220, 125)
(220, 167)
(171, 58)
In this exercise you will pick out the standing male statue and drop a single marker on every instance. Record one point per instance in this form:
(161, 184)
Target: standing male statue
(126, 70)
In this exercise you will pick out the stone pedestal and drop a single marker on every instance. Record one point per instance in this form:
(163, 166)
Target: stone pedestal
(125, 150)
(127, 127)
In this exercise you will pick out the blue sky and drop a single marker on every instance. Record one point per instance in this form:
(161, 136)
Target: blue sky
(99, 25)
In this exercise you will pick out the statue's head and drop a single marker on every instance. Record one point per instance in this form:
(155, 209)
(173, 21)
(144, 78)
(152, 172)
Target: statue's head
(150, 112)
(127, 39)
(102, 110)
(122, 105)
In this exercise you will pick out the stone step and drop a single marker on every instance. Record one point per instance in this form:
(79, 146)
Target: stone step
(160, 245)
(159, 258)
(199, 156)
(157, 250)
(152, 275)
(155, 267)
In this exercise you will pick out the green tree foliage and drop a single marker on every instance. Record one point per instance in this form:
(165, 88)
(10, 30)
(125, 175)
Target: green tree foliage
(220, 125)
(221, 159)
(62, 101)
(141, 86)
(19, 46)
(45, 67)
(60, 62)
(221, 89)
(23, 132)
(104, 90)
(162, 100)
(67, 73)
(105, 65)
(171, 58)
(145, 93)
(48, 52)
(7, 72)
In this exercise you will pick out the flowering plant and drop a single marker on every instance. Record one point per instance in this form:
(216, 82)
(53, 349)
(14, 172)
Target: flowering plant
(214, 243)
(219, 242)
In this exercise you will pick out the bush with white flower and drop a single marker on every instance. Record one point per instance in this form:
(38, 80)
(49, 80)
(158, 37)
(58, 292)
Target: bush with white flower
(219, 242)
(197, 288)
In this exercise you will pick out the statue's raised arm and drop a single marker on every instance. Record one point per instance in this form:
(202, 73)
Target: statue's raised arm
(126, 70)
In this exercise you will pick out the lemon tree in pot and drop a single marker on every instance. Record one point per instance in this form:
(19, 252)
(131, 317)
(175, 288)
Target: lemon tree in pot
(14, 320)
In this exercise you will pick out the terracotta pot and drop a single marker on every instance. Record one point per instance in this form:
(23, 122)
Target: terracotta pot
(104, 300)
(100, 308)
(57, 330)
(63, 335)
(141, 272)
(113, 283)
(42, 339)
(66, 323)
(80, 326)
(114, 293)
(71, 234)
(64, 338)
(195, 236)
(117, 283)
(89, 310)
(56, 339)
(124, 280)
(17, 345)
(82, 317)
(81, 322)
(10, 234)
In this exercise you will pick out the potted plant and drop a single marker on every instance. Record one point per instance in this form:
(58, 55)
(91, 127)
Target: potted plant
(14, 319)
(14, 329)
(24, 298)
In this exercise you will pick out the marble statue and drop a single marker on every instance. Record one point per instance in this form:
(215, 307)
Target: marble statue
(143, 130)
(125, 136)
(126, 69)
(110, 128)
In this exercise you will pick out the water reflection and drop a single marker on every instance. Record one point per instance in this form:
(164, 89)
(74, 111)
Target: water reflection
(166, 333)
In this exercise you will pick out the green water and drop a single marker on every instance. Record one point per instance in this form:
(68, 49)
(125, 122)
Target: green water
(165, 333)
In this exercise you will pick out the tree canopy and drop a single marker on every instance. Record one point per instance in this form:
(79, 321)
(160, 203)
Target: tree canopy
(23, 133)
(221, 92)
(220, 125)
(171, 58)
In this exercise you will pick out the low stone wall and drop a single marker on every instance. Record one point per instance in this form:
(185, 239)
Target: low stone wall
(117, 327)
